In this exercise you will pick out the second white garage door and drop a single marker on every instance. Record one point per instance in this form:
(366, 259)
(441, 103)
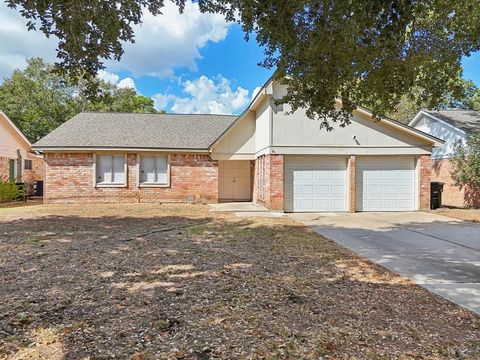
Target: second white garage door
(315, 184)
(385, 184)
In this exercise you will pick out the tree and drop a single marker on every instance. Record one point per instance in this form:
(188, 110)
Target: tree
(38, 99)
(368, 52)
(466, 95)
(115, 99)
(466, 162)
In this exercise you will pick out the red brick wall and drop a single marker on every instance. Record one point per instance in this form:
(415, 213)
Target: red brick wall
(29, 176)
(69, 178)
(4, 168)
(36, 174)
(425, 167)
(453, 195)
(268, 181)
(352, 170)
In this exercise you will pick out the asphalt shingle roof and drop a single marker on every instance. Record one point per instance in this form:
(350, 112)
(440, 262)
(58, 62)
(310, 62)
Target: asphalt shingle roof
(466, 120)
(129, 130)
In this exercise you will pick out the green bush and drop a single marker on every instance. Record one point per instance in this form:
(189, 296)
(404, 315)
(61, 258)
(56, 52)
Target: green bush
(466, 162)
(10, 191)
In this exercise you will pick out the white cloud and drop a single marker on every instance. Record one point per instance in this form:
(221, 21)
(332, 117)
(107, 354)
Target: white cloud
(114, 79)
(171, 40)
(127, 83)
(108, 77)
(163, 43)
(207, 96)
(255, 92)
(17, 44)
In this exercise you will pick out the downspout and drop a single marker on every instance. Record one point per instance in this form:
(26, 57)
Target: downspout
(19, 166)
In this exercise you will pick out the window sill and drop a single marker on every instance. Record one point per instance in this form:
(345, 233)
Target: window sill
(153, 185)
(110, 185)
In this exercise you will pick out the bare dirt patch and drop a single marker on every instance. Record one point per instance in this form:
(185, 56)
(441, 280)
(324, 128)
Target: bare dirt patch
(178, 282)
(462, 214)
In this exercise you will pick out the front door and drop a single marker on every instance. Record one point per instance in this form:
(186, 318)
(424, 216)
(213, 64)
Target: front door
(234, 180)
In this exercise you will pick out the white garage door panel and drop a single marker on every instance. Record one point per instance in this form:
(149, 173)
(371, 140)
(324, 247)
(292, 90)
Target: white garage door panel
(315, 184)
(385, 184)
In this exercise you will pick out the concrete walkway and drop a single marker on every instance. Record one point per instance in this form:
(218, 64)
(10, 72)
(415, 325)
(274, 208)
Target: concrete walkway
(439, 253)
(245, 209)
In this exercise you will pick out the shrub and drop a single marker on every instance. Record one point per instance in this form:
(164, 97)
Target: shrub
(10, 191)
(466, 168)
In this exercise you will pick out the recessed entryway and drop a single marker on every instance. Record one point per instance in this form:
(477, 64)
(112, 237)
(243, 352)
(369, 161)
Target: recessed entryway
(234, 180)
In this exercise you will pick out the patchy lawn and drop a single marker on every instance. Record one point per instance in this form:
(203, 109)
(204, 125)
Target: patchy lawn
(176, 281)
(462, 214)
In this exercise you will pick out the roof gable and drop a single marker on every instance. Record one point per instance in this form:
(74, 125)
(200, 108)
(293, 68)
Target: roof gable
(14, 131)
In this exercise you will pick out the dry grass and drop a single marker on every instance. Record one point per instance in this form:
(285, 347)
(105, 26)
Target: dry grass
(145, 281)
(461, 214)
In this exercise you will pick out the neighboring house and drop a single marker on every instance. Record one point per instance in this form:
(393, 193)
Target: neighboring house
(17, 160)
(281, 160)
(453, 127)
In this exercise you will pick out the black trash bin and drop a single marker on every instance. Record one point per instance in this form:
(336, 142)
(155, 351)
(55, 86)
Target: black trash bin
(436, 189)
(38, 188)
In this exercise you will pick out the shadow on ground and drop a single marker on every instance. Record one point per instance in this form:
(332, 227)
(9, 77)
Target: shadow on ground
(209, 286)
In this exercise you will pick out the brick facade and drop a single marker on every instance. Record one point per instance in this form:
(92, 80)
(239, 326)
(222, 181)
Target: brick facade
(352, 194)
(70, 178)
(29, 176)
(425, 169)
(269, 181)
(4, 168)
(452, 195)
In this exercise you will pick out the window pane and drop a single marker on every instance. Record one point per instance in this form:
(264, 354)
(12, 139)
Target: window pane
(119, 169)
(161, 167)
(147, 169)
(104, 169)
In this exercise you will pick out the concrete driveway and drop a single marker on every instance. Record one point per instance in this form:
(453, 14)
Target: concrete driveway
(438, 253)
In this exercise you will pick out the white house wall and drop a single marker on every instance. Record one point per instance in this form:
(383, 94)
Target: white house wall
(442, 131)
(263, 128)
(239, 142)
(295, 133)
(9, 144)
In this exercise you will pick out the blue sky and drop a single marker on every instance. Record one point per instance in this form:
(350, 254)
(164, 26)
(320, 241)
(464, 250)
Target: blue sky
(471, 68)
(189, 63)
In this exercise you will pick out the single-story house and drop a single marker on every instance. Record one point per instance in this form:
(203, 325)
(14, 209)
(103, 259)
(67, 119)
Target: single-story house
(18, 162)
(452, 126)
(268, 155)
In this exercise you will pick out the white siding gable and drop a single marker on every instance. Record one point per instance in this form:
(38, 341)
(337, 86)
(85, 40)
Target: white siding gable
(451, 135)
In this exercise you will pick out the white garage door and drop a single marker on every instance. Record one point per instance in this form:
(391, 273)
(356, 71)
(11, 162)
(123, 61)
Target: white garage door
(315, 184)
(385, 184)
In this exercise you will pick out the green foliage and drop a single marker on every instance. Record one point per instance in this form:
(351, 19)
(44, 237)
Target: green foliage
(10, 191)
(115, 99)
(38, 99)
(368, 52)
(465, 95)
(466, 162)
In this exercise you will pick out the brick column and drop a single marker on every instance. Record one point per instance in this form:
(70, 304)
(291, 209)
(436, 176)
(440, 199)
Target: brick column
(276, 182)
(351, 184)
(425, 173)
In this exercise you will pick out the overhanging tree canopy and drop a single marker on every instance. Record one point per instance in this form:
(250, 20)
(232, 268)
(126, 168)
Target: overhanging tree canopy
(368, 52)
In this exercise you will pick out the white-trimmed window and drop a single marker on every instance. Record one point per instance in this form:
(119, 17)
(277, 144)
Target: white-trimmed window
(153, 170)
(110, 170)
